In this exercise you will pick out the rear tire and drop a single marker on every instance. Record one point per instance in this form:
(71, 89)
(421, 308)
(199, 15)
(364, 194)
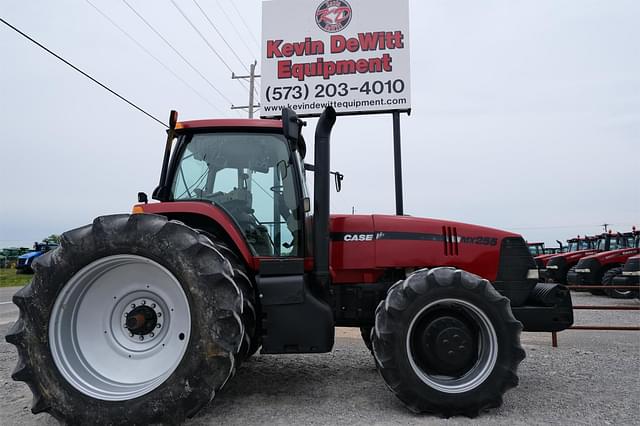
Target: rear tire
(446, 342)
(251, 340)
(607, 280)
(89, 355)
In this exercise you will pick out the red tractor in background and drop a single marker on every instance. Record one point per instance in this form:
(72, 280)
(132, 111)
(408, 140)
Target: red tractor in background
(575, 248)
(142, 318)
(600, 268)
(559, 266)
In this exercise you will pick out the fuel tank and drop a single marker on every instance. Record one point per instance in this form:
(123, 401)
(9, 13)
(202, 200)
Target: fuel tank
(363, 247)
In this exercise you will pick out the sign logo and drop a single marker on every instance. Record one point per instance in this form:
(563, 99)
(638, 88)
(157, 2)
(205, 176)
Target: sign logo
(333, 15)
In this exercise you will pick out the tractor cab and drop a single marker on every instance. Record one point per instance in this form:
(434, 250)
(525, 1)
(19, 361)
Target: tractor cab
(536, 249)
(613, 241)
(253, 176)
(578, 243)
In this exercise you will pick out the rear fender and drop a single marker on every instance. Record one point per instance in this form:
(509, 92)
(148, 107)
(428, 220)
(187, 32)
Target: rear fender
(205, 216)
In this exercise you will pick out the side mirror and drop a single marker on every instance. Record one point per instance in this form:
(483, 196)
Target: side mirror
(292, 126)
(339, 177)
(142, 197)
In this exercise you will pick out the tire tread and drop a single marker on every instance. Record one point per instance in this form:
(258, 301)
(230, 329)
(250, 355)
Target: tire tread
(177, 397)
(389, 322)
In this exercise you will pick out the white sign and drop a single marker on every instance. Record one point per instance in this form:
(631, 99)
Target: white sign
(350, 54)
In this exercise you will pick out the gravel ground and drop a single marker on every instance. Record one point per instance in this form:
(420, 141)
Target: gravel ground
(591, 378)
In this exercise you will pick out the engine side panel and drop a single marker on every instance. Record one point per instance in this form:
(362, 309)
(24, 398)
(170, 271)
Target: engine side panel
(364, 246)
(352, 249)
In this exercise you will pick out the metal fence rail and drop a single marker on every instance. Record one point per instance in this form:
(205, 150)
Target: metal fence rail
(596, 327)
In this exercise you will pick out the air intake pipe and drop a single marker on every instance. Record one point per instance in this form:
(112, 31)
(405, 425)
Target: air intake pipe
(321, 190)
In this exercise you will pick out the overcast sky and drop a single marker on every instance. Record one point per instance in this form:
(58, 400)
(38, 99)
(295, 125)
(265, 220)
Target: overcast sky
(526, 114)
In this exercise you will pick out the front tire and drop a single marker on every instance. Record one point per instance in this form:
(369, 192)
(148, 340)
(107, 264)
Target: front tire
(446, 342)
(607, 280)
(133, 319)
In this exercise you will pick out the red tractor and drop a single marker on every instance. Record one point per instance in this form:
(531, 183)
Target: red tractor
(142, 318)
(554, 267)
(601, 268)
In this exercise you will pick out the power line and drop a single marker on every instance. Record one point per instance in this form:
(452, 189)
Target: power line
(245, 24)
(176, 51)
(221, 36)
(248, 30)
(224, 12)
(205, 40)
(148, 52)
(82, 72)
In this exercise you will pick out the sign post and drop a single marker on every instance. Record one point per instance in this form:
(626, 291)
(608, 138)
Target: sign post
(397, 162)
(352, 55)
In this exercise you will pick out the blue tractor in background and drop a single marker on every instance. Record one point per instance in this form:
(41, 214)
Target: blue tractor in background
(25, 261)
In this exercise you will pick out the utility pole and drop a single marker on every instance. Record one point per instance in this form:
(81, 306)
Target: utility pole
(605, 225)
(252, 84)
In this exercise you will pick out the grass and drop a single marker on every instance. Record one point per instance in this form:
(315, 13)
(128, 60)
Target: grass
(9, 278)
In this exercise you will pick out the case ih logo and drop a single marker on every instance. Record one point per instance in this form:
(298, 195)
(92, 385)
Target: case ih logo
(333, 15)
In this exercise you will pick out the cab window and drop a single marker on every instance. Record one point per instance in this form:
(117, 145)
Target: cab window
(252, 178)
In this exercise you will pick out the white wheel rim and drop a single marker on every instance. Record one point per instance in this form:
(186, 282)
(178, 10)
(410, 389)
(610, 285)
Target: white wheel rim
(89, 341)
(486, 358)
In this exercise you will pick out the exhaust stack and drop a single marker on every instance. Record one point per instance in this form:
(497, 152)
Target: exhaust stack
(321, 190)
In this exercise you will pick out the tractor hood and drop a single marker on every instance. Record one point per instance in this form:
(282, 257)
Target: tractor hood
(573, 256)
(365, 242)
(544, 258)
(612, 256)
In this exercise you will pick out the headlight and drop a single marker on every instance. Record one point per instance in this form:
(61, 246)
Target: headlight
(533, 274)
(583, 270)
(552, 266)
(631, 273)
